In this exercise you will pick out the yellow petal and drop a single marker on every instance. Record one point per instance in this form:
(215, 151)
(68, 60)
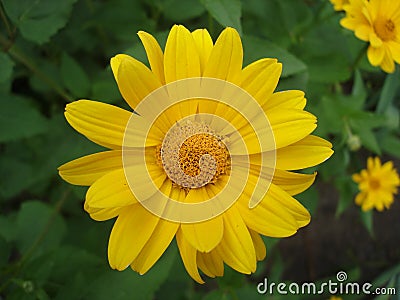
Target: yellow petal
(210, 263)
(295, 208)
(305, 153)
(181, 59)
(363, 32)
(135, 80)
(130, 233)
(286, 99)
(206, 235)
(387, 63)
(101, 123)
(395, 49)
(374, 39)
(293, 183)
(375, 55)
(259, 245)
(269, 217)
(87, 169)
(237, 248)
(204, 45)
(154, 54)
(260, 78)
(103, 214)
(159, 240)
(109, 191)
(188, 255)
(290, 125)
(157, 244)
(226, 58)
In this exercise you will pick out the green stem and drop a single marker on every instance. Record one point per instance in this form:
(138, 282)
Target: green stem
(5, 21)
(45, 230)
(359, 57)
(18, 56)
(17, 266)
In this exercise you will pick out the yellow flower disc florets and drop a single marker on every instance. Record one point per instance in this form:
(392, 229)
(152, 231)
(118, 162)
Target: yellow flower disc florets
(385, 29)
(192, 155)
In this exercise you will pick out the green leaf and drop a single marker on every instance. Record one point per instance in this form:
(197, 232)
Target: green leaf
(15, 176)
(123, 285)
(390, 143)
(387, 275)
(226, 12)
(256, 48)
(19, 118)
(179, 11)
(347, 189)
(74, 77)
(369, 140)
(389, 90)
(359, 91)
(5, 251)
(324, 51)
(367, 218)
(39, 228)
(7, 65)
(38, 20)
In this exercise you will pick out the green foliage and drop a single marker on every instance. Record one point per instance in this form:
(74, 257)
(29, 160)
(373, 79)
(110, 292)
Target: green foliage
(21, 115)
(38, 20)
(54, 52)
(226, 12)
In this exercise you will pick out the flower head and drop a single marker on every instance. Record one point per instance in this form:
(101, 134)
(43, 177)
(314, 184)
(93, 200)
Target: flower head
(206, 157)
(376, 22)
(338, 4)
(377, 185)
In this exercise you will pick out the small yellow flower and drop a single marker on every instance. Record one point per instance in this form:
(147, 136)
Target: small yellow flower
(376, 22)
(377, 185)
(335, 298)
(339, 4)
(206, 157)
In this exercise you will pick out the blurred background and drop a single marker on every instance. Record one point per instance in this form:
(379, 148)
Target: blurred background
(55, 52)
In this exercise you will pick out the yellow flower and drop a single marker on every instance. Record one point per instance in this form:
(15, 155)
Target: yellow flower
(377, 185)
(335, 298)
(205, 158)
(376, 22)
(339, 4)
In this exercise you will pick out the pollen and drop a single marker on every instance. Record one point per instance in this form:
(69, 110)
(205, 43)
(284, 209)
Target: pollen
(193, 155)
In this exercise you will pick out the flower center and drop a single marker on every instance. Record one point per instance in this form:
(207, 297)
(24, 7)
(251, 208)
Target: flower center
(374, 184)
(385, 29)
(192, 155)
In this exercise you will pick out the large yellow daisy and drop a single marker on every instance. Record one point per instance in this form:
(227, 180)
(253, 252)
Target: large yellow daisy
(377, 184)
(376, 22)
(207, 156)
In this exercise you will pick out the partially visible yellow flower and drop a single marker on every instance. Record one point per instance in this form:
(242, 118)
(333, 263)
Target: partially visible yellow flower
(376, 22)
(377, 185)
(338, 4)
(335, 298)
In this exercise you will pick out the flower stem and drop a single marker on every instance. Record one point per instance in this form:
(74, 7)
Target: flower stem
(359, 57)
(6, 23)
(14, 269)
(20, 57)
